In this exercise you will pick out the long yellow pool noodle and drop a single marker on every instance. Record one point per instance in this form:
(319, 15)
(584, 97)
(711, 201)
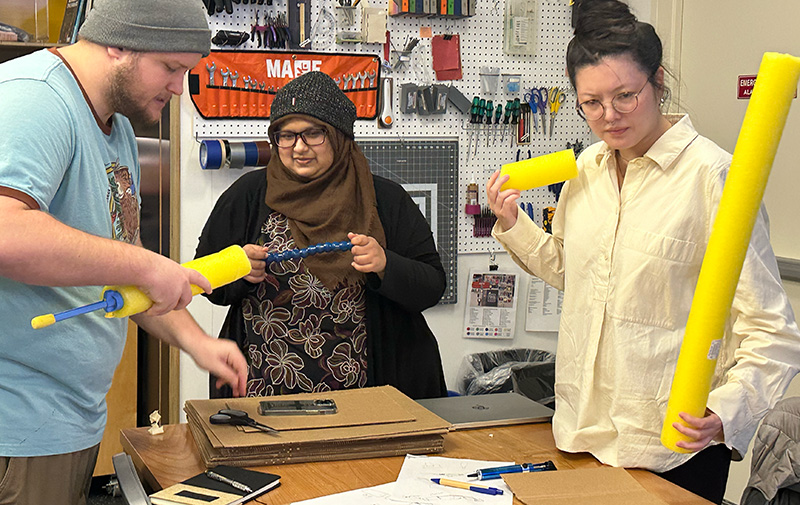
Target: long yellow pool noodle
(540, 171)
(221, 268)
(722, 264)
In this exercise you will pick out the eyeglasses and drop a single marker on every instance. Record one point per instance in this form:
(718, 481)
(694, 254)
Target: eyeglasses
(311, 137)
(624, 103)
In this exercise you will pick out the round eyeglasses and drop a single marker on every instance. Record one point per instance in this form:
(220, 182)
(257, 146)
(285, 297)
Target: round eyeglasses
(311, 137)
(624, 103)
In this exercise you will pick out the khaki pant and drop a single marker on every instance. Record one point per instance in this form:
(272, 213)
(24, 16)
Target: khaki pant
(62, 479)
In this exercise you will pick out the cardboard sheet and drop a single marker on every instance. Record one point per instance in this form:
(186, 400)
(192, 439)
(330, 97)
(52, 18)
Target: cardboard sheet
(379, 421)
(350, 404)
(598, 486)
(366, 413)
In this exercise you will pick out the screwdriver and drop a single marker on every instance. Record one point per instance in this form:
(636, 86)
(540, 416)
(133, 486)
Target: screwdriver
(498, 113)
(475, 110)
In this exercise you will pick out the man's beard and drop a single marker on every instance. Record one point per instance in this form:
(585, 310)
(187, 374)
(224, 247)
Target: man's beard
(123, 99)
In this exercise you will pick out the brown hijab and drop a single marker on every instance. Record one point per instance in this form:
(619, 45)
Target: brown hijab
(326, 208)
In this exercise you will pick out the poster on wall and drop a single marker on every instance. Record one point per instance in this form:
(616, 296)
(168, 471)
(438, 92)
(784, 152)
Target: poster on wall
(491, 309)
(544, 306)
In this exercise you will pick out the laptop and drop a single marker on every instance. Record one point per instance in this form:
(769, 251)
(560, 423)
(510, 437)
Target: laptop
(482, 411)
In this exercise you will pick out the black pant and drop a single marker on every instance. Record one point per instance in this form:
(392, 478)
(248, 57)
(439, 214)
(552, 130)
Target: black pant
(706, 474)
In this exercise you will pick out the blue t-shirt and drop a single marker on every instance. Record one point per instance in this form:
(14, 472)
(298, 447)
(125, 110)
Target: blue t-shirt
(53, 381)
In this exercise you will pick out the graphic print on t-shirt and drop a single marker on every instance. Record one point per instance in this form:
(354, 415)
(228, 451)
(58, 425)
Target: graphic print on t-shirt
(123, 204)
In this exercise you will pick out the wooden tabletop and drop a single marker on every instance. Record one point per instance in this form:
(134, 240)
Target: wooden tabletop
(163, 460)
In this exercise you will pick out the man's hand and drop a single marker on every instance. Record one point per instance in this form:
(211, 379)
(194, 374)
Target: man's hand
(168, 285)
(502, 203)
(368, 255)
(702, 429)
(222, 358)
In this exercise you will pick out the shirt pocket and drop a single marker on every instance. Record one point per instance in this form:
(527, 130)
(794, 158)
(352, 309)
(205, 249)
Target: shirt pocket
(653, 278)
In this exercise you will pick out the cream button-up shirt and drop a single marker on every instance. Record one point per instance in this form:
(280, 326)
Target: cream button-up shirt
(628, 261)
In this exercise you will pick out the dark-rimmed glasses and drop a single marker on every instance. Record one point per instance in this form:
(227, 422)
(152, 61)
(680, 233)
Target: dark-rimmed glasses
(311, 137)
(624, 103)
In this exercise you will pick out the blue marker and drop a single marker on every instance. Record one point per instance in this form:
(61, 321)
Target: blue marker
(496, 472)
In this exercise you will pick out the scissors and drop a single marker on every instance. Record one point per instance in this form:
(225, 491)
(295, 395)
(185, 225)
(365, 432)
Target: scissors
(556, 98)
(238, 418)
(537, 99)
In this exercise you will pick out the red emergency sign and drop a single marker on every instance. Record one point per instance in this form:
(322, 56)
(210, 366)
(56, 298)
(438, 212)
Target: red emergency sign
(745, 87)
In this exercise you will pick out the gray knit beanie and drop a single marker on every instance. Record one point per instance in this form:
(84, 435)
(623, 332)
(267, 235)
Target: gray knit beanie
(168, 26)
(315, 94)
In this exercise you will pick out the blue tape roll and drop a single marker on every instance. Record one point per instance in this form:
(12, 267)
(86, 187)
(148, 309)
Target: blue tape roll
(211, 154)
(250, 154)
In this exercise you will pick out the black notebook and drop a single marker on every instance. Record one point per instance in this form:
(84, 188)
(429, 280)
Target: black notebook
(203, 490)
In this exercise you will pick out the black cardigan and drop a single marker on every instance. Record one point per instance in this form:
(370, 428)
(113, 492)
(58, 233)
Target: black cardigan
(401, 349)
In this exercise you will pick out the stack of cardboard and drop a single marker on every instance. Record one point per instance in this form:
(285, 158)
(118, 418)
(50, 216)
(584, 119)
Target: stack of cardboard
(370, 422)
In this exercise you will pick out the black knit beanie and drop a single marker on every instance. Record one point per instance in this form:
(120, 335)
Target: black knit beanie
(315, 94)
(168, 26)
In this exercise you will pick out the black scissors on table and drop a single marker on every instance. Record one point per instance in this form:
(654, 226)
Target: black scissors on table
(239, 418)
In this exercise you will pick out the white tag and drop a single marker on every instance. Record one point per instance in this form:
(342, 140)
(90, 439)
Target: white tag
(713, 351)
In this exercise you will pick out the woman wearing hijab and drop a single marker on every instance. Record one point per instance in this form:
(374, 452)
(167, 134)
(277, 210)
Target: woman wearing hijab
(333, 320)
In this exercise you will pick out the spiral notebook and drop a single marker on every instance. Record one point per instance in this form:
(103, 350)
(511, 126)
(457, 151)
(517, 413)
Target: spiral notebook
(202, 490)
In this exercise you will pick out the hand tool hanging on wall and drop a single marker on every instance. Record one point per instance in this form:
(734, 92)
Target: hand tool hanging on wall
(386, 116)
(524, 126)
(555, 97)
(299, 14)
(230, 38)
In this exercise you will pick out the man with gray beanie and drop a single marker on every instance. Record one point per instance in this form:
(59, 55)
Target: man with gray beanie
(69, 223)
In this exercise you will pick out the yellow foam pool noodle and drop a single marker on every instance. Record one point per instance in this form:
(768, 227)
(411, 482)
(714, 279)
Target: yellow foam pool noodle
(540, 171)
(730, 235)
(43, 321)
(224, 267)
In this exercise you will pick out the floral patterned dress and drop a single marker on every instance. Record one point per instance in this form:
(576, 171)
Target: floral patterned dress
(301, 336)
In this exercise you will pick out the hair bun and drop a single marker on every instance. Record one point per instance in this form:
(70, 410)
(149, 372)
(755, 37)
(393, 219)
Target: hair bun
(598, 19)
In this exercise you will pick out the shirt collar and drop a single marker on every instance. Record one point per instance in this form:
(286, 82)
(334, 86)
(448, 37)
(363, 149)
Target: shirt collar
(668, 147)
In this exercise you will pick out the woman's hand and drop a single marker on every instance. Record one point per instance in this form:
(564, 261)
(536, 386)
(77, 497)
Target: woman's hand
(257, 255)
(502, 203)
(368, 255)
(702, 429)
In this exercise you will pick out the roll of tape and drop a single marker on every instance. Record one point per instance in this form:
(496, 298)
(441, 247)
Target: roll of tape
(264, 152)
(250, 154)
(212, 154)
(238, 155)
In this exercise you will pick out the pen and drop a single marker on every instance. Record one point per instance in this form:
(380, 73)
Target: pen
(221, 478)
(494, 473)
(468, 486)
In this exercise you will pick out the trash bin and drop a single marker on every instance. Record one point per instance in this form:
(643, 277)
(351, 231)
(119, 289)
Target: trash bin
(530, 372)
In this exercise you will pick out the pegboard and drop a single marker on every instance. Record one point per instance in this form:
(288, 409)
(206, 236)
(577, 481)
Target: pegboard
(427, 169)
(481, 38)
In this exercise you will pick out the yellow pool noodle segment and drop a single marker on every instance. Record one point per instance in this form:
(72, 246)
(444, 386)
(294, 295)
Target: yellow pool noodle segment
(730, 235)
(540, 171)
(221, 268)
(43, 321)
